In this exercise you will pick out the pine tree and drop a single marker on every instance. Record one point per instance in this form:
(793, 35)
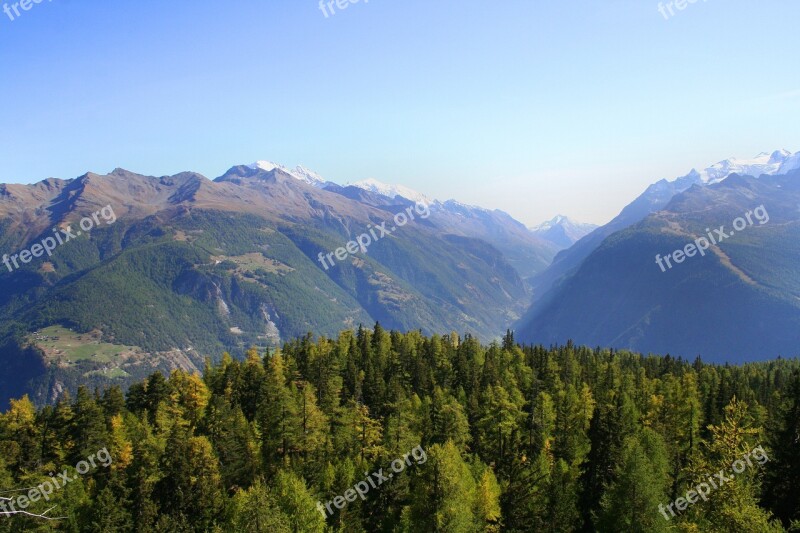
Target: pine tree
(18, 427)
(294, 500)
(255, 511)
(192, 485)
(498, 426)
(783, 471)
(248, 391)
(446, 420)
(487, 501)
(314, 427)
(443, 494)
(733, 506)
(641, 480)
(109, 513)
(190, 394)
(235, 444)
(277, 414)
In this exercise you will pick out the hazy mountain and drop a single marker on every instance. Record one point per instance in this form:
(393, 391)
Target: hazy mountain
(562, 231)
(529, 254)
(192, 267)
(391, 191)
(740, 301)
(655, 198)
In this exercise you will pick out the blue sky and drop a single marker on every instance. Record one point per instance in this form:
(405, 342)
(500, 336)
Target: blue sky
(533, 107)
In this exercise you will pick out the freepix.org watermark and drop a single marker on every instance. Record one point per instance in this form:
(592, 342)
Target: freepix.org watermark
(43, 491)
(327, 6)
(61, 236)
(374, 480)
(714, 238)
(702, 490)
(680, 5)
(24, 5)
(365, 239)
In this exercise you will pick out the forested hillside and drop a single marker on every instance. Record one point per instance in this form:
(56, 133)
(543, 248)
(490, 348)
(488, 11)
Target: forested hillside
(514, 438)
(748, 280)
(192, 267)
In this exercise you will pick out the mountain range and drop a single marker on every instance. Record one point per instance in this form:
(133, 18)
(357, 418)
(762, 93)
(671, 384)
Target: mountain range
(739, 302)
(193, 267)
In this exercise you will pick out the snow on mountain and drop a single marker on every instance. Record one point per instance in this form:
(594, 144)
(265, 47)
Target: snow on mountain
(312, 178)
(455, 205)
(299, 172)
(562, 231)
(791, 163)
(562, 220)
(266, 165)
(763, 163)
(392, 191)
(309, 176)
(555, 221)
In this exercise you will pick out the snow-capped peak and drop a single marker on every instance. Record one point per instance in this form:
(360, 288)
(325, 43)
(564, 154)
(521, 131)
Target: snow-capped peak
(314, 179)
(555, 221)
(764, 163)
(392, 191)
(266, 165)
(565, 221)
(562, 231)
(790, 163)
(309, 176)
(300, 172)
(779, 156)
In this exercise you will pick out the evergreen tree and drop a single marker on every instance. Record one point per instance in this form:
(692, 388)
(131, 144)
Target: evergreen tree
(640, 486)
(783, 471)
(256, 511)
(192, 485)
(294, 500)
(444, 494)
(109, 513)
(277, 414)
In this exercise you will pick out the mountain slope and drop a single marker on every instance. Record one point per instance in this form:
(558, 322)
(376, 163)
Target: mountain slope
(740, 301)
(193, 267)
(529, 254)
(655, 198)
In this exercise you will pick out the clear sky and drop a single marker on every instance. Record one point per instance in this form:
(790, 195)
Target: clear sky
(534, 107)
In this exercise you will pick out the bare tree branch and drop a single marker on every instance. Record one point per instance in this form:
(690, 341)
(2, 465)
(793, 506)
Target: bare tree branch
(26, 513)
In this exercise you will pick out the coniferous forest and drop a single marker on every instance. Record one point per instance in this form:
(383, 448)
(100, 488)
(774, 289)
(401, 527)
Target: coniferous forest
(515, 438)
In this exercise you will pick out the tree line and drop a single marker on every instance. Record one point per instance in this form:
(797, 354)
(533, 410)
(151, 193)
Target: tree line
(518, 439)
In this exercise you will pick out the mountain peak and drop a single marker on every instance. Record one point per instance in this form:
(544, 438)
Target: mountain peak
(266, 166)
(558, 220)
(392, 191)
(764, 163)
(299, 172)
(779, 156)
(562, 231)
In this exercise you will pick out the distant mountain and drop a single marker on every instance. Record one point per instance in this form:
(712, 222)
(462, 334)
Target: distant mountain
(738, 302)
(529, 254)
(299, 172)
(194, 267)
(655, 198)
(777, 162)
(562, 231)
(391, 191)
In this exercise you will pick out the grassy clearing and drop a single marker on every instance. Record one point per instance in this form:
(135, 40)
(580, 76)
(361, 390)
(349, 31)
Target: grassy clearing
(255, 261)
(64, 345)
